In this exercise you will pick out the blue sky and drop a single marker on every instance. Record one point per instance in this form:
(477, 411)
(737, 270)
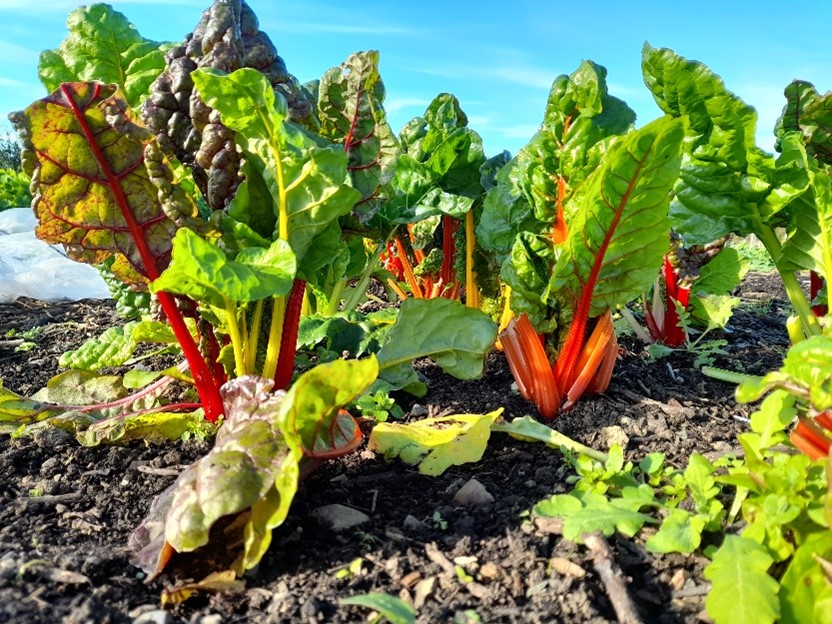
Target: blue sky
(498, 58)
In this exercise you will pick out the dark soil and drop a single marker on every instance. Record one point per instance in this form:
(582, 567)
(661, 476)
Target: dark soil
(63, 552)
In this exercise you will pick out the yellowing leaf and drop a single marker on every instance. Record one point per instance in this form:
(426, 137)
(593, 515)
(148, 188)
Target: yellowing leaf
(435, 444)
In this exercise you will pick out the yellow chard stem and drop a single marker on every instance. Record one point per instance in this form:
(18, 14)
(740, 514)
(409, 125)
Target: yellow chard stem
(275, 333)
(254, 337)
(236, 337)
(472, 293)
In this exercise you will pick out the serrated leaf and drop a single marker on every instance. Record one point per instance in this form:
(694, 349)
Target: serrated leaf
(595, 513)
(435, 444)
(680, 532)
(742, 592)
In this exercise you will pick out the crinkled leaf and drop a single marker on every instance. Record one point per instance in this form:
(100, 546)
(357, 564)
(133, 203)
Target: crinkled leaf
(227, 38)
(203, 272)
(618, 237)
(351, 114)
(250, 456)
(435, 444)
(454, 336)
(809, 113)
(103, 45)
(742, 592)
(805, 589)
(506, 210)
(96, 188)
(680, 532)
(309, 184)
(442, 141)
(225, 581)
(726, 183)
(116, 345)
(808, 245)
(527, 271)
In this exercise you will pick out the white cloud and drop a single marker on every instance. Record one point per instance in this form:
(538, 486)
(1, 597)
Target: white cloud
(396, 104)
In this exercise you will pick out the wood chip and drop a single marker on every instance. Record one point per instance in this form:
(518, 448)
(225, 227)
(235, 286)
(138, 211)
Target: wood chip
(424, 589)
(436, 555)
(489, 571)
(171, 471)
(566, 567)
(549, 525)
(411, 578)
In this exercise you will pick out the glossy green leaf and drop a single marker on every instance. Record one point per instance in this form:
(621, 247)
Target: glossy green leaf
(116, 345)
(742, 592)
(454, 336)
(203, 272)
(311, 408)
(309, 183)
(809, 113)
(435, 444)
(351, 114)
(103, 45)
(726, 183)
(618, 237)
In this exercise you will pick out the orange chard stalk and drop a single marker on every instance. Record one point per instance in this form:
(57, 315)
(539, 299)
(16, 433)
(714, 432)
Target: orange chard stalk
(408, 270)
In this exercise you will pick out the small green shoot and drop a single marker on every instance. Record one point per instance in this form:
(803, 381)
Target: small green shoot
(353, 569)
(389, 608)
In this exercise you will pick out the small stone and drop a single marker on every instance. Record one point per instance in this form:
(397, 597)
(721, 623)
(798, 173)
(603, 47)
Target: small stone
(157, 616)
(214, 618)
(418, 411)
(338, 518)
(412, 523)
(8, 568)
(614, 435)
(473, 493)
(489, 571)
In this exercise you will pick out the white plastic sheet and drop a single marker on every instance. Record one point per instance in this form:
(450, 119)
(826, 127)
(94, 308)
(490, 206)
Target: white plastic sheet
(31, 268)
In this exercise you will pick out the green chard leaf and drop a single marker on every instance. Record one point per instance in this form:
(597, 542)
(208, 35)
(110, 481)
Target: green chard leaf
(351, 114)
(805, 589)
(809, 113)
(454, 336)
(726, 184)
(742, 592)
(308, 182)
(619, 236)
(203, 272)
(103, 45)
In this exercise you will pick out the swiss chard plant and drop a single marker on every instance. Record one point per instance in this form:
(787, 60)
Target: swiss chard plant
(728, 185)
(579, 219)
(230, 281)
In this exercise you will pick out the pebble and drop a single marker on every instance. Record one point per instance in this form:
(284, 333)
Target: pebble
(8, 568)
(411, 523)
(338, 518)
(157, 616)
(473, 493)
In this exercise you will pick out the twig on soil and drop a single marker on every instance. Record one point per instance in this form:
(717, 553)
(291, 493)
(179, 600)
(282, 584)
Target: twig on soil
(612, 578)
(170, 471)
(51, 499)
(436, 555)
